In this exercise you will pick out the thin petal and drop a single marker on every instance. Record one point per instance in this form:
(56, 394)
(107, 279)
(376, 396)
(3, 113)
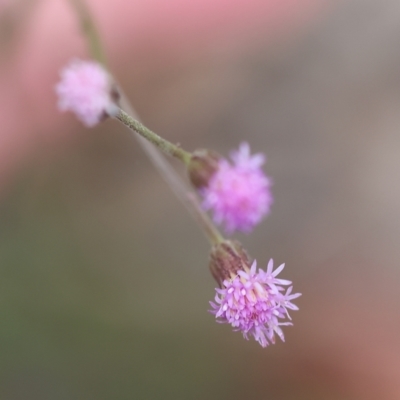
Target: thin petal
(278, 270)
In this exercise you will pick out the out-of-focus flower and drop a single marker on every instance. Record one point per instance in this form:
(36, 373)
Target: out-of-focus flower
(85, 89)
(255, 303)
(239, 193)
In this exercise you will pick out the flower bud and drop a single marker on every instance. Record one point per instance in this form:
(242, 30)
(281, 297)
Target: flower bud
(226, 259)
(203, 164)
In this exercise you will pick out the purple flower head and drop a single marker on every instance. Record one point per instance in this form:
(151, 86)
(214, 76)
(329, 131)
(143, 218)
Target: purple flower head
(255, 303)
(85, 89)
(239, 193)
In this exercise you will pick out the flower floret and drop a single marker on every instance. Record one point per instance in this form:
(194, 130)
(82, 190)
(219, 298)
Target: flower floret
(255, 303)
(238, 193)
(85, 89)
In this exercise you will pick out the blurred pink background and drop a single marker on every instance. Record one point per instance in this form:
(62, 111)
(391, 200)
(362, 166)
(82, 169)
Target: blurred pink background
(41, 36)
(104, 283)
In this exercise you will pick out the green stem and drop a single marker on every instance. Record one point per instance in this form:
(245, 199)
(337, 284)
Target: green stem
(89, 30)
(210, 230)
(164, 145)
(187, 197)
(178, 186)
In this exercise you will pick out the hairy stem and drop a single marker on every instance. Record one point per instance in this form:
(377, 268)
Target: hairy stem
(178, 186)
(163, 144)
(209, 228)
(187, 197)
(89, 30)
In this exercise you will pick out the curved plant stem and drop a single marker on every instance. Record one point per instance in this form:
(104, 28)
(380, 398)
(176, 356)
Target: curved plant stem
(89, 30)
(163, 144)
(188, 198)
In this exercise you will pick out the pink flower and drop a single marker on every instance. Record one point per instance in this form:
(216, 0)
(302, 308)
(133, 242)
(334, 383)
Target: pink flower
(239, 194)
(85, 89)
(255, 303)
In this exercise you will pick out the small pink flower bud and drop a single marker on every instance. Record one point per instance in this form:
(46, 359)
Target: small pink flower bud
(87, 90)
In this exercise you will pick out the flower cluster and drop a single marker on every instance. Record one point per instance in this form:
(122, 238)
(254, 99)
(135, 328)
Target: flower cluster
(239, 193)
(85, 89)
(254, 302)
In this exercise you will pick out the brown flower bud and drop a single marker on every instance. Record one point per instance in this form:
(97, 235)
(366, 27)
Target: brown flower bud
(202, 167)
(226, 259)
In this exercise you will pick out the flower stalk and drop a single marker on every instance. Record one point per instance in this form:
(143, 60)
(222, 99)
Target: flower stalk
(163, 144)
(253, 301)
(89, 30)
(146, 137)
(209, 229)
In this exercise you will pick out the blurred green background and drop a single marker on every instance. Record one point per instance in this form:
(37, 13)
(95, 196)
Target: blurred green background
(104, 285)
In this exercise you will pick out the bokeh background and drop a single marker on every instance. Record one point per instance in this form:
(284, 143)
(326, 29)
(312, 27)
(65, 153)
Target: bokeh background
(104, 286)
